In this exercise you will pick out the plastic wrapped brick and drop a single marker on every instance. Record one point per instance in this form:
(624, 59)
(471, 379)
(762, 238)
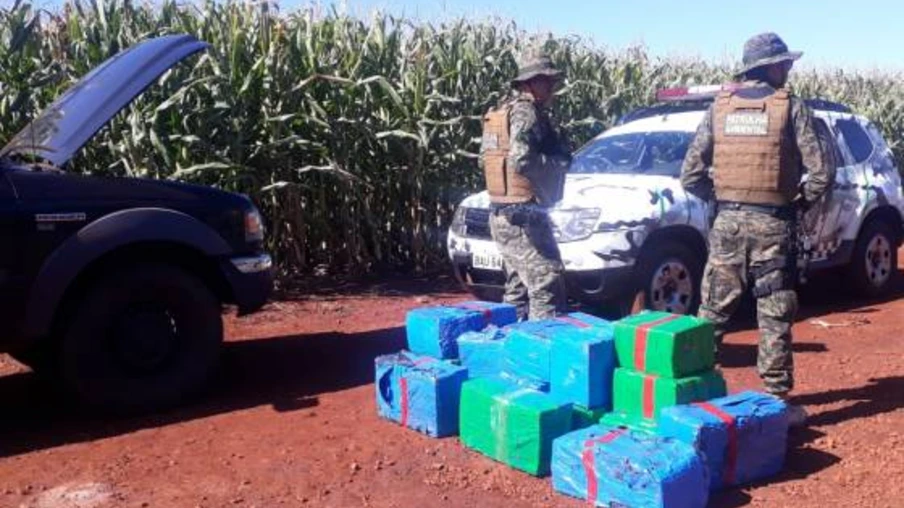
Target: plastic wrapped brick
(529, 345)
(613, 466)
(582, 364)
(742, 437)
(639, 398)
(589, 319)
(419, 392)
(481, 352)
(433, 331)
(664, 344)
(581, 417)
(510, 424)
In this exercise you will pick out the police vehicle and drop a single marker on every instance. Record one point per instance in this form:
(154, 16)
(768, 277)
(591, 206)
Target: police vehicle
(625, 225)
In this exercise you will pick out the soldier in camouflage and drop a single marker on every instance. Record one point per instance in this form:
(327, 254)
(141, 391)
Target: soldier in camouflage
(524, 159)
(752, 241)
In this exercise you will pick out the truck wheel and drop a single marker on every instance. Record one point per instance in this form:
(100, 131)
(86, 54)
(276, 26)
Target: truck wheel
(40, 358)
(669, 274)
(874, 263)
(144, 337)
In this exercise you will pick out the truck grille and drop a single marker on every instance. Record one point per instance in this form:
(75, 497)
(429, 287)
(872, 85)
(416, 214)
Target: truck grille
(477, 223)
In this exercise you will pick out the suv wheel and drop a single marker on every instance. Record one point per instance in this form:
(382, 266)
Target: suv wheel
(143, 337)
(669, 276)
(874, 264)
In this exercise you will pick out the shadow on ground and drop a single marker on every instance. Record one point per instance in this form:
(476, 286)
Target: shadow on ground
(744, 355)
(377, 284)
(287, 373)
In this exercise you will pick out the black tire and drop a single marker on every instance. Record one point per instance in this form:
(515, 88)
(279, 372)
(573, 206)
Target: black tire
(676, 262)
(144, 337)
(41, 358)
(873, 269)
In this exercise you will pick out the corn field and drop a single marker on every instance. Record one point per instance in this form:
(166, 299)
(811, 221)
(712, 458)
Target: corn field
(356, 137)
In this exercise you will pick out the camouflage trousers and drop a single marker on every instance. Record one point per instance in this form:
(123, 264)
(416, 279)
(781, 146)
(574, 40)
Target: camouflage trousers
(535, 282)
(754, 249)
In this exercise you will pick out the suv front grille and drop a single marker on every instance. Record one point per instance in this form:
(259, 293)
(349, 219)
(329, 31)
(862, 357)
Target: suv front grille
(477, 223)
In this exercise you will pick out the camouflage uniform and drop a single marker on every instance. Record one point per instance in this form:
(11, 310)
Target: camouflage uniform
(749, 247)
(523, 232)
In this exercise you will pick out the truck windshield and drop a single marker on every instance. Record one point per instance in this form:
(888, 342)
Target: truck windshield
(647, 153)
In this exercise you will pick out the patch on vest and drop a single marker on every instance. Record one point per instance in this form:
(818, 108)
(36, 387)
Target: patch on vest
(490, 141)
(747, 124)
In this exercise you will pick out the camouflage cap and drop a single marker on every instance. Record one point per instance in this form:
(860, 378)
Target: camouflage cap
(534, 64)
(765, 49)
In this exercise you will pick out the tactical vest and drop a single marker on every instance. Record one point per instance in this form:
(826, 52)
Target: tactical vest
(504, 184)
(755, 159)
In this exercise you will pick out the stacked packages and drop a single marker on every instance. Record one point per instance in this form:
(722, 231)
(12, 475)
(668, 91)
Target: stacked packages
(631, 414)
(665, 360)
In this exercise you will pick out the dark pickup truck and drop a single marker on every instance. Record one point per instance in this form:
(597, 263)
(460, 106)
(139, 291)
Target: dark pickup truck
(115, 286)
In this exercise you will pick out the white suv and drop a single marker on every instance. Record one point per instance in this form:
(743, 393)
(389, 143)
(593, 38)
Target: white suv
(625, 224)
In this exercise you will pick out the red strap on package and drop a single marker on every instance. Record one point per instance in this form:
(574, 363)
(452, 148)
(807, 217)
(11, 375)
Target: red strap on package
(590, 466)
(487, 313)
(641, 333)
(403, 388)
(572, 321)
(729, 467)
(649, 396)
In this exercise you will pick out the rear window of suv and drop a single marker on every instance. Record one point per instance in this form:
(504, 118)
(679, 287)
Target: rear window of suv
(856, 139)
(646, 153)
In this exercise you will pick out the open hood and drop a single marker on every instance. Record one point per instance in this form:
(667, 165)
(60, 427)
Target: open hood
(73, 119)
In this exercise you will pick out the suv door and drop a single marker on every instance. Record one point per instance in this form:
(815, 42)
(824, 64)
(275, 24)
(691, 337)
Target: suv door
(861, 177)
(823, 221)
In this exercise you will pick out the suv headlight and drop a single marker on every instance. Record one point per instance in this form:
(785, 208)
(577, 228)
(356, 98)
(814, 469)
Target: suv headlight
(458, 221)
(254, 226)
(574, 225)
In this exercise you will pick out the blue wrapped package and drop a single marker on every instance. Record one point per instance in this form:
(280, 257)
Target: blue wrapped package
(419, 392)
(589, 319)
(611, 466)
(481, 352)
(742, 437)
(582, 364)
(433, 331)
(527, 349)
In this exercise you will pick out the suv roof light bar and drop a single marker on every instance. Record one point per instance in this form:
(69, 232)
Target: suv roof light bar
(707, 93)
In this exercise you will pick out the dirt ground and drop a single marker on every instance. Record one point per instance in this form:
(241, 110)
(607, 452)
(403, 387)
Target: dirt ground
(292, 421)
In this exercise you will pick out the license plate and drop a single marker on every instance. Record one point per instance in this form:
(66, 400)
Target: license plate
(486, 261)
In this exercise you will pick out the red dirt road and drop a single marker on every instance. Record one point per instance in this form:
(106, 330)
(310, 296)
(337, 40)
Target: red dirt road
(293, 422)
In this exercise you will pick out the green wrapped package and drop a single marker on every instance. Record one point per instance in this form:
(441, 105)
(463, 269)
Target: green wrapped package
(663, 344)
(512, 424)
(639, 397)
(581, 417)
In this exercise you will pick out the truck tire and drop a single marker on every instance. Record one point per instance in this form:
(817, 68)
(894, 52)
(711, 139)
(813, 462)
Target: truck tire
(143, 337)
(873, 269)
(669, 274)
(40, 358)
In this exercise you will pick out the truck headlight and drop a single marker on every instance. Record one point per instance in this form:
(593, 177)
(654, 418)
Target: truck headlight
(254, 226)
(458, 221)
(574, 225)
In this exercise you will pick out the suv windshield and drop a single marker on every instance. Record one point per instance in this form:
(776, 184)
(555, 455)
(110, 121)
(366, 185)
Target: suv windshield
(647, 153)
